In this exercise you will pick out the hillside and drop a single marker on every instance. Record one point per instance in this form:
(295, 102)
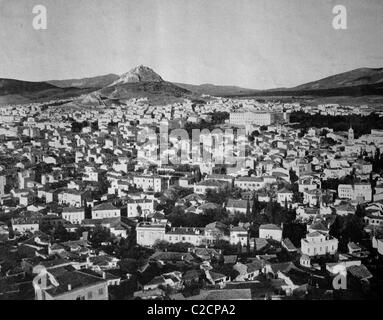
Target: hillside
(354, 78)
(215, 90)
(93, 82)
(10, 86)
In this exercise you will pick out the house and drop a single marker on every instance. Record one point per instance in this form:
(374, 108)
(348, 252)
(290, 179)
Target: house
(284, 196)
(270, 231)
(203, 186)
(149, 183)
(239, 235)
(172, 280)
(249, 183)
(139, 207)
(238, 206)
(73, 215)
(312, 197)
(248, 271)
(194, 236)
(105, 210)
(215, 231)
(216, 278)
(23, 225)
(64, 284)
(148, 234)
(318, 244)
(360, 192)
(71, 197)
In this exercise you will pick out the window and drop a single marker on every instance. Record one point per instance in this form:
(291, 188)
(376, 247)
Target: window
(100, 291)
(90, 295)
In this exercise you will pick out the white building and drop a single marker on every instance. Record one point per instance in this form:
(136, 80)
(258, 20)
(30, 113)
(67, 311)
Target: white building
(138, 208)
(149, 183)
(187, 235)
(148, 234)
(318, 244)
(250, 183)
(73, 215)
(239, 235)
(270, 231)
(105, 210)
(252, 118)
(360, 192)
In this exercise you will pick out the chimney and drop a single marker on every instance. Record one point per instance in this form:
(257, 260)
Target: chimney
(69, 287)
(103, 275)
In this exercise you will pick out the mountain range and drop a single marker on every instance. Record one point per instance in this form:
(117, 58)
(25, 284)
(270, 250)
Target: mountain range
(143, 82)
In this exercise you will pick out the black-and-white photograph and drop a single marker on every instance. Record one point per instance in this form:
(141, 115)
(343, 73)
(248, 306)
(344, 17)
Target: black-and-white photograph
(191, 150)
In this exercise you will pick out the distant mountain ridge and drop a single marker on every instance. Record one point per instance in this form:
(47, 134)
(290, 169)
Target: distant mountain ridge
(357, 77)
(11, 86)
(143, 82)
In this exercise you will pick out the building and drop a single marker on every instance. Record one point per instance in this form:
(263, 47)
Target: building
(360, 192)
(60, 284)
(148, 234)
(73, 215)
(318, 244)
(260, 118)
(203, 186)
(105, 210)
(149, 183)
(72, 198)
(22, 225)
(250, 183)
(270, 231)
(195, 236)
(139, 208)
(239, 235)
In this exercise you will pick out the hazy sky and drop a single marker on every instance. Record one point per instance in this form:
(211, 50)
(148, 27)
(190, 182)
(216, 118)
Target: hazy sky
(250, 43)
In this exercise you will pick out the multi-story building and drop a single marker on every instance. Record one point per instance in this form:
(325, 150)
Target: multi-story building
(317, 244)
(149, 183)
(239, 235)
(195, 236)
(360, 192)
(139, 208)
(73, 215)
(148, 234)
(57, 284)
(252, 118)
(270, 231)
(105, 210)
(249, 183)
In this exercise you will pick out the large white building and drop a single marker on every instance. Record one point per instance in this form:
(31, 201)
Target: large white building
(148, 234)
(318, 244)
(195, 236)
(270, 231)
(73, 215)
(141, 207)
(149, 183)
(361, 192)
(252, 118)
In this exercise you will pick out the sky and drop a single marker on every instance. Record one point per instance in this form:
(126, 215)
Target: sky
(255, 44)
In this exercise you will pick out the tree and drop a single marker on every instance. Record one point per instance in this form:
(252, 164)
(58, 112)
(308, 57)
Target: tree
(293, 176)
(256, 207)
(248, 208)
(100, 235)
